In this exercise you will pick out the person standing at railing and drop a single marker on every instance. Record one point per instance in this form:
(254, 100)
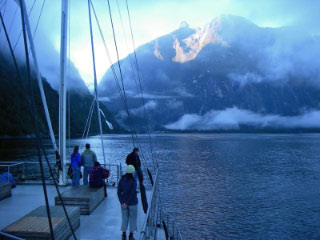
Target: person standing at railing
(127, 195)
(75, 165)
(134, 160)
(88, 157)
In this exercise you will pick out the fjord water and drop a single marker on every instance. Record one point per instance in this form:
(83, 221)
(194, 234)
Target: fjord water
(225, 186)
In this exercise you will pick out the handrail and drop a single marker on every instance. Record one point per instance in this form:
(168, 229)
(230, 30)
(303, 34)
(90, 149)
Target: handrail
(173, 231)
(154, 217)
(9, 165)
(23, 171)
(150, 222)
(4, 235)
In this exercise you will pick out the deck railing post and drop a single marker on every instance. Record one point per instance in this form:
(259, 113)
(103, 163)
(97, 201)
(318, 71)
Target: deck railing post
(8, 172)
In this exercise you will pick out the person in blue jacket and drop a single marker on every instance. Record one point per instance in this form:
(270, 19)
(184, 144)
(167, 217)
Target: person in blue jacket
(127, 195)
(75, 165)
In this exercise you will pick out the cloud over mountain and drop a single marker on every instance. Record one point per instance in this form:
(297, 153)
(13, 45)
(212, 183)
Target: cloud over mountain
(230, 63)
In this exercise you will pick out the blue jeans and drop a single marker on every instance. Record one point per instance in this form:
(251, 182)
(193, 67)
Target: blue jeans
(129, 215)
(86, 172)
(76, 176)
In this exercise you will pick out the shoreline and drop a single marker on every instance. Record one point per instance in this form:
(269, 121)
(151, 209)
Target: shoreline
(244, 131)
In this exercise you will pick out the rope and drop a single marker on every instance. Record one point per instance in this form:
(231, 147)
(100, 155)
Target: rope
(34, 119)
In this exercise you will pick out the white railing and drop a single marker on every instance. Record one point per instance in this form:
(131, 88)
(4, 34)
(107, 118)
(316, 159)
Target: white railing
(29, 172)
(171, 232)
(149, 229)
(155, 218)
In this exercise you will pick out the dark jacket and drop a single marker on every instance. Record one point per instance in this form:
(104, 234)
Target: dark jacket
(127, 192)
(133, 159)
(96, 177)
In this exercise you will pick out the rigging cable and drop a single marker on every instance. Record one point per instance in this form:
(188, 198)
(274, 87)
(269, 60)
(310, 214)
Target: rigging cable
(95, 82)
(34, 33)
(154, 160)
(114, 73)
(40, 84)
(10, 47)
(126, 43)
(90, 120)
(13, 18)
(119, 88)
(123, 89)
(108, 55)
(120, 71)
(30, 11)
(89, 117)
(4, 10)
(32, 104)
(141, 92)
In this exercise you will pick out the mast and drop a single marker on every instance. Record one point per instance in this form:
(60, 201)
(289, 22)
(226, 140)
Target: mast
(62, 91)
(36, 66)
(95, 84)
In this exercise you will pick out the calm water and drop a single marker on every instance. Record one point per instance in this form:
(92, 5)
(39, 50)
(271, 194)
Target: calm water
(226, 186)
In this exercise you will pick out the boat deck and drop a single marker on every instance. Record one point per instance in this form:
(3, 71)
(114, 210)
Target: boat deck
(103, 223)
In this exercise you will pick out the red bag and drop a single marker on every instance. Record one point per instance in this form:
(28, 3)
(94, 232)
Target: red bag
(106, 173)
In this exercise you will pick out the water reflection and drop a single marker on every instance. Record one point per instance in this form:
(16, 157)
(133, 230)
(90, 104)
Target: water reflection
(224, 186)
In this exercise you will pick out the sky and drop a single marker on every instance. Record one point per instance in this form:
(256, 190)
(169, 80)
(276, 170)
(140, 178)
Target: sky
(149, 18)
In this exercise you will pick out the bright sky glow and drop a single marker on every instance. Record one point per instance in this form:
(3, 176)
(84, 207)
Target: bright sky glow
(151, 19)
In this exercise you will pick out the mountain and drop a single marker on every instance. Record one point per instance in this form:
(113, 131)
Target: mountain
(229, 73)
(15, 117)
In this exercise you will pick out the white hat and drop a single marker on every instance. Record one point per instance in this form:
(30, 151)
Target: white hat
(130, 169)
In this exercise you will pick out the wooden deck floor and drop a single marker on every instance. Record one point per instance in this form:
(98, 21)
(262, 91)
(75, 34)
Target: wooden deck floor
(103, 223)
(35, 224)
(88, 199)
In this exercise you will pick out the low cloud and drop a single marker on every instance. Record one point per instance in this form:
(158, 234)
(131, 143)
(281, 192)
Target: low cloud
(232, 118)
(248, 77)
(173, 104)
(152, 96)
(151, 105)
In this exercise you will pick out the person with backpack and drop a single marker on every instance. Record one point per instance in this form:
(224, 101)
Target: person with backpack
(88, 158)
(75, 166)
(127, 195)
(96, 177)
